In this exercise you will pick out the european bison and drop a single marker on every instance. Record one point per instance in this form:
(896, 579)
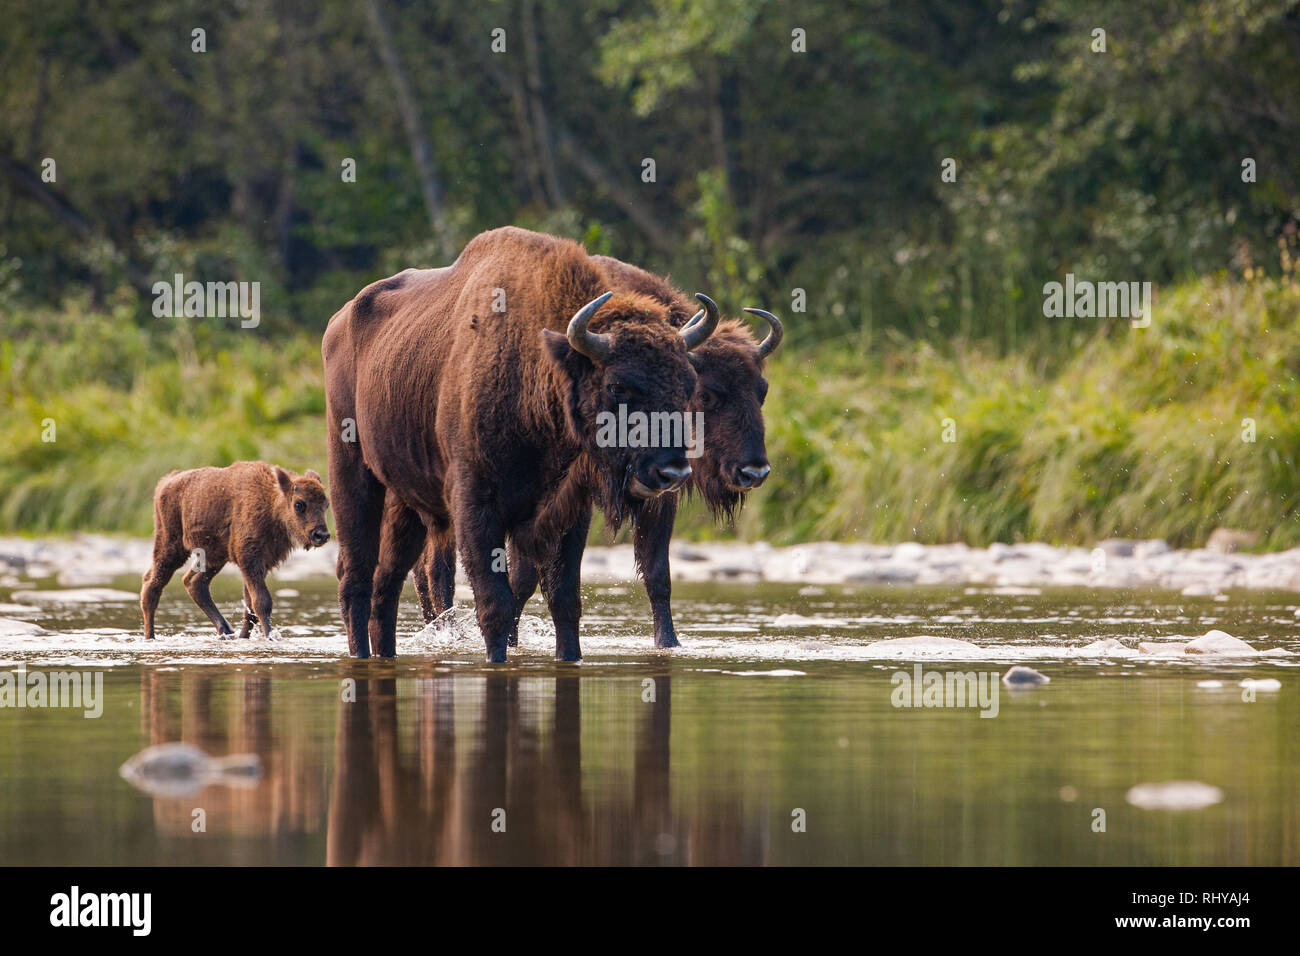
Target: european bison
(466, 400)
(730, 391)
(250, 512)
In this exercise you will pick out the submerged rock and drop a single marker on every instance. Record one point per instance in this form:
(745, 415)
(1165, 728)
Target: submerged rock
(1266, 683)
(180, 769)
(1174, 795)
(1020, 676)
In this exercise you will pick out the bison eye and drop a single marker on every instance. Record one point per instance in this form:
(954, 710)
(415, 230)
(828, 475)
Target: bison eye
(617, 392)
(299, 507)
(709, 398)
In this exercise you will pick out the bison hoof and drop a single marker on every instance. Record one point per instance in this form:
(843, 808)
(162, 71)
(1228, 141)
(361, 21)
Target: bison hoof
(496, 655)
(667, 640)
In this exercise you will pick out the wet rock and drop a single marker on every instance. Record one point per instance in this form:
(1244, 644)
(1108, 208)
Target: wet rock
(9, 628)
(1220, 642)
(1150, 549)
(814, 646)
(1199, 589)
(180, 769)
(922, 646)
(1266, 683)
(1230, 541)
(78, 596)
(1163, 648)
(1118, 547)
(1020, 676)
(1174, 795)
(1107, 645)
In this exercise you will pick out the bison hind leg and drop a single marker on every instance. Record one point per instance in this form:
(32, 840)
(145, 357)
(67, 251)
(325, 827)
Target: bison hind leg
(165, 564)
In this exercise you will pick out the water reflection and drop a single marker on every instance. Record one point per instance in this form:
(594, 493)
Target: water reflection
(441, 769)
(291, 795)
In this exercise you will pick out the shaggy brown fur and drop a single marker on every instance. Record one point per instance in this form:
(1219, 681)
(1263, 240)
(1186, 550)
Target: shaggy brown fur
(251, 513)
(484, 422)
(729, 392)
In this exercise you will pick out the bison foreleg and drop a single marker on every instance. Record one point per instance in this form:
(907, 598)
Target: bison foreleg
(654, 530)
(481, 538)
(523, 582)
(560, 585)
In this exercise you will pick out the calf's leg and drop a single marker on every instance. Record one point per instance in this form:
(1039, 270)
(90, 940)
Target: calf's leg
(165, 564)
(196, 582)
(249, 617)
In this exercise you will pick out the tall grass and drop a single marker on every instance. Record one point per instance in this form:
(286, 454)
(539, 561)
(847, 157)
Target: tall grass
(1127, 432)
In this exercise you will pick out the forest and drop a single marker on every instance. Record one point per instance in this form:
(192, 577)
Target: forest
(900, 182)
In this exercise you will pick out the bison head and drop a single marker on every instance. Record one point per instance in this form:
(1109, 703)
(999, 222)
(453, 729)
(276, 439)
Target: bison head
(629, 382)
(303, 503)
(730, 393)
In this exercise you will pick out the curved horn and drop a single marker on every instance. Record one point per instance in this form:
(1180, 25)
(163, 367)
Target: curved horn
(594, 345)
(769, 344)
(702, 324)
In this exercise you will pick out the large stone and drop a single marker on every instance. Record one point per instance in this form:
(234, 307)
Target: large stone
(1220, 642)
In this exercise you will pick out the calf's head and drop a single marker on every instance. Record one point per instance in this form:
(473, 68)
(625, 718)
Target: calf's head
(629, 383)
(302, 507)
(729, 394)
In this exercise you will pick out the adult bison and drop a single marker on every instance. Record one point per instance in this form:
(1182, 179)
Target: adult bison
(729, 392)
(465, 400)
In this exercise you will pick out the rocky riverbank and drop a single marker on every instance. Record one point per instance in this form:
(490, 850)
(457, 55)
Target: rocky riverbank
(85, 561)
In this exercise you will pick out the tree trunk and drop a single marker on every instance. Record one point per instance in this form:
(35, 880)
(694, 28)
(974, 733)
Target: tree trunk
(421, 149)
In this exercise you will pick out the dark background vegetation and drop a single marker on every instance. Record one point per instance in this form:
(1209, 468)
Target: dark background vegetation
(776, 171)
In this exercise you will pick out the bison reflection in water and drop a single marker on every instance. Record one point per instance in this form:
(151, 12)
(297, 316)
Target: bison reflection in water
(729, 394)
(513, 793)
(457, 406)
(422, 765)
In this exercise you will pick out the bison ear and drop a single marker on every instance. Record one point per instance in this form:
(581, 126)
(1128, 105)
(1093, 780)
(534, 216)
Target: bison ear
(284, 479)
(556, 346)
(309, 473)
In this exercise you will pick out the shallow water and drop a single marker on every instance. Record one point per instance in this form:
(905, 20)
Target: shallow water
(771, 737)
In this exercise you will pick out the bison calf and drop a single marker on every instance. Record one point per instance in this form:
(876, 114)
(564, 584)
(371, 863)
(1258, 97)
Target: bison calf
(251, 513)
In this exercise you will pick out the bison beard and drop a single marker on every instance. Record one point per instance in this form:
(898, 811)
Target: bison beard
(451, 420)
(730, 366)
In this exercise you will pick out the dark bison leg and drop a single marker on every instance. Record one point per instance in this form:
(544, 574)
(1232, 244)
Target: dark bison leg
(437, 570)
(654, 529)
(166, 561)
(358, 500)
(196, 582)
(560, 581)
(402, 541)
(523, 582)
(422, 587)
(255, 583)
(249, 617)
(481, 539)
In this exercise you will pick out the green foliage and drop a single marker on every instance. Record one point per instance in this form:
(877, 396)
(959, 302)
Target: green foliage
(1134, 433)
